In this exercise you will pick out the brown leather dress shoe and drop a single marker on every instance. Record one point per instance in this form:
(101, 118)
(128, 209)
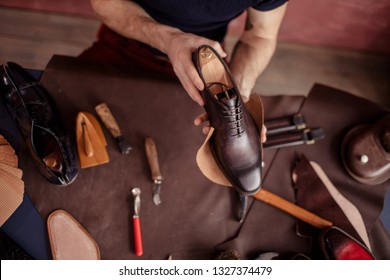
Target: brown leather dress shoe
(235, 143)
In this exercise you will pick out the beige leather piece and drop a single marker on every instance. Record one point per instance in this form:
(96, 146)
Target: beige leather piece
(3, 141)
(208, 165)
(69, 240)
(11, 195)
(7, 153)
(350, 210)
(12, 170)
(204, 158)
(11, 185)
(11, 160)
(14, 182)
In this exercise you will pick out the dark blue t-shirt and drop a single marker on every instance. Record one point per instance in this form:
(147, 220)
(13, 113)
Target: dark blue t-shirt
(207, 18)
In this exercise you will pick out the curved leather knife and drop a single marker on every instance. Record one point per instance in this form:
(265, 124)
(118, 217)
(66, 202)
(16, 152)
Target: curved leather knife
(151, 153)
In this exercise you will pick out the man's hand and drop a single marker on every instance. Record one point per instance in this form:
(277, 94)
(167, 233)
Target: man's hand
(179, 48)
(130, 20)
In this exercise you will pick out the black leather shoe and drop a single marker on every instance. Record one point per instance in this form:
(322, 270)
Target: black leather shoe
(235, 143)
(39, 123)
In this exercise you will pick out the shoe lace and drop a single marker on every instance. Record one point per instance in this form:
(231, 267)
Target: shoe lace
(234, 114)
(235, 120)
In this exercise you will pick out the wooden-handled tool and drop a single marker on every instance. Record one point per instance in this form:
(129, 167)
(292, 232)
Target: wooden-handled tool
(292, 209)
(109, 121)
(151, 154)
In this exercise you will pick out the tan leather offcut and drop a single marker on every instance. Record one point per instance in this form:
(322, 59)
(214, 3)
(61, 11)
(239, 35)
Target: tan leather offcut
(11, 185)
(204, 158)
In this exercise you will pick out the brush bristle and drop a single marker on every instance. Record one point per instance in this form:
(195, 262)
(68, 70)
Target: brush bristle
(229, 254)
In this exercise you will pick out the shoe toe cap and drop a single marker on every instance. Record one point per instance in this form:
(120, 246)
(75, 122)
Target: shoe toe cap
(248, 181)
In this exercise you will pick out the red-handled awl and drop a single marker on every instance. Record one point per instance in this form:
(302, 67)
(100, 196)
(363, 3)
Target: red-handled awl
(136, 222)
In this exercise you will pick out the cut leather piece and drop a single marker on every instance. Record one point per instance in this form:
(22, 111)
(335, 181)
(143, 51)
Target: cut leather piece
(204, 157)
(7, 153)
(12, 170)
(366, 152)
(350, 210)
(336, 244)
(69, 240)
(91, 143)
(11, 185)
(11, 195)
(235, 142)
(313, 195)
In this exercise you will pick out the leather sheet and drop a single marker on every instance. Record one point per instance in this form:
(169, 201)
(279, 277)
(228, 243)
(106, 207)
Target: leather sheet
(336, 112)
(196, 217)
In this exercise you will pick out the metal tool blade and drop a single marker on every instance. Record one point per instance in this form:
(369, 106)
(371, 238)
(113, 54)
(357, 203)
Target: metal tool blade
(124, 146)
(111, 124)
(156, 193)
(137, 200)
(243, 199)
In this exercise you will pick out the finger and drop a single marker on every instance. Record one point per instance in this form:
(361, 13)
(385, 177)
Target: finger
(201, 119)
(194, 94)
(194, 77)
(192, 91)
(206, 129)
(217, 46)
(263, 134)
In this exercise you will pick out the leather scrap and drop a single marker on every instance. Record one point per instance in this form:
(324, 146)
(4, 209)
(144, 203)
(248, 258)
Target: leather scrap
(11, 184)
(351, 212)
(312, 194)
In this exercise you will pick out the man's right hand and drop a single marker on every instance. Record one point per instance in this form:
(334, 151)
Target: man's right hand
(128, 19)
(179, 48)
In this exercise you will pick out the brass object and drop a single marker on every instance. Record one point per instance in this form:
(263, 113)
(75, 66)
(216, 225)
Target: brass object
(206, 53)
